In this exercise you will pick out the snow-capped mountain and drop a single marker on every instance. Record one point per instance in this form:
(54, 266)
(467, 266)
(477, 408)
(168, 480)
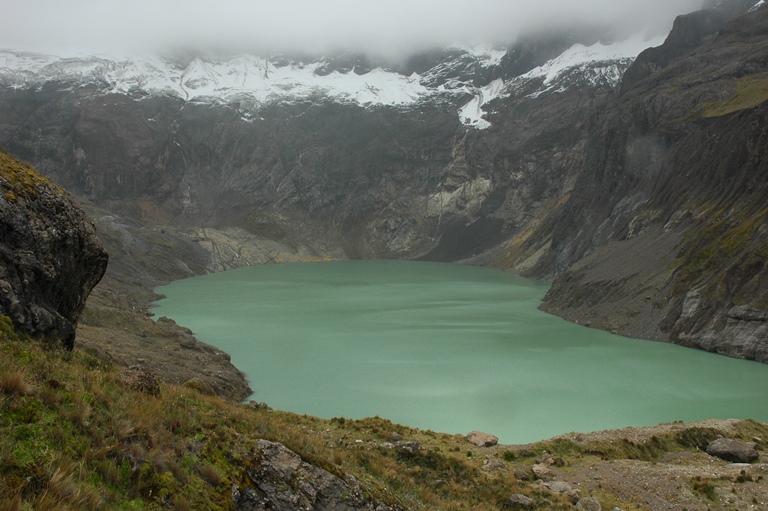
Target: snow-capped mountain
(251, 81)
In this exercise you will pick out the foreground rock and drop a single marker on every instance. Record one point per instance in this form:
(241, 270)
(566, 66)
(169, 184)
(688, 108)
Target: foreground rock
(733, 450)
(589, 504)
(481, 439)
(518, 501)
(281, 481)
(50, 257)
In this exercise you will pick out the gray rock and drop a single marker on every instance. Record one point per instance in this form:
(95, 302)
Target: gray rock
(589, 504)
(733, 450)
(572, 496)
(542, 472)
(522, 474)
(518, 501)
(558, 486)
(481, 439)
(746, 313)
(50, 256)
(492, 465)
(281, 481)
(409, 446)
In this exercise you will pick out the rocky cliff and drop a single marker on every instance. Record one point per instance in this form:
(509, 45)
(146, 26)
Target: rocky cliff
(50, 257)
(479, 150)
(665, 234)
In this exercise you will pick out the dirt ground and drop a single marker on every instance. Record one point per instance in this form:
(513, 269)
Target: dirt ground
(677, 481)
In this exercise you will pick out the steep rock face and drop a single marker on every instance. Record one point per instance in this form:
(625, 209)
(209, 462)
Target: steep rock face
(340, 178)
(50, 257)
(666, 235)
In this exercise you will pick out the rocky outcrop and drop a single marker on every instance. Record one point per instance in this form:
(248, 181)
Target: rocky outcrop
(666, 233)
(280, 480)
(519, 501)
(689, 32)
(50, 257)
(733, 450)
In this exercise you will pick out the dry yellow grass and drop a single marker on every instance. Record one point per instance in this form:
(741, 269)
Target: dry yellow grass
(14, 382)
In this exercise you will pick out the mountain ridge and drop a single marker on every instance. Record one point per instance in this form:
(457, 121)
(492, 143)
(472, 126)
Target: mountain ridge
(321, 178)
(254, 81)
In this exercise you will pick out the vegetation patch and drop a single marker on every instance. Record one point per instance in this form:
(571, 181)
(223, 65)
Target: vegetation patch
(704, 487)
(749, 92)
(698, 438)
(75, 433)
(19, 179)
(708, 250)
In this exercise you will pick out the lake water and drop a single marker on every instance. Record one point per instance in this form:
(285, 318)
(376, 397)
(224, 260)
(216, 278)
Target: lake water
(449, 348)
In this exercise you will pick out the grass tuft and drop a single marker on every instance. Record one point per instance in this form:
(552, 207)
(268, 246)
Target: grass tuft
(14, 383)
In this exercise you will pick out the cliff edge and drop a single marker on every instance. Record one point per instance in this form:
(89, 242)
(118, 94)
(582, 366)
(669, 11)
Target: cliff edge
(665, 235)
(50, 257)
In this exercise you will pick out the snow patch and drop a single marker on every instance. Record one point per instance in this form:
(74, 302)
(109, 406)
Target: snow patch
(202, 81)
(757, 5)
(472, 113)
(579, 55)
(587, 66)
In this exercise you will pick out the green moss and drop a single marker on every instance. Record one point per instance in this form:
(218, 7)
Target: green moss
(749, 92)
(8, 331)
(647, 450)
(20, 180)
(697, 438)
(712, 248)
(560, 447)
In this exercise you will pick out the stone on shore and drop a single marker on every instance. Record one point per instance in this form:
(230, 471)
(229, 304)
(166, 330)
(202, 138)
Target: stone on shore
(733, 450)
(481, 439)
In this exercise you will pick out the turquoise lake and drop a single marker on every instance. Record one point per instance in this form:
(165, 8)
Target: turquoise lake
(450, 348)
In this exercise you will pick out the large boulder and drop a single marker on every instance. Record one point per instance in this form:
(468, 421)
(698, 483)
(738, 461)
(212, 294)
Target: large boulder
(279, 480)
(50, 257)
(481, 439)
(733, 450)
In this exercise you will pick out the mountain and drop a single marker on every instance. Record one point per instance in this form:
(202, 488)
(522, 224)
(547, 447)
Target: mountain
(566, 155)
(289, 143)
(665, 234)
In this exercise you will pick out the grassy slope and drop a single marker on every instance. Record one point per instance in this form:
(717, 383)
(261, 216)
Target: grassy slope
(76, 434)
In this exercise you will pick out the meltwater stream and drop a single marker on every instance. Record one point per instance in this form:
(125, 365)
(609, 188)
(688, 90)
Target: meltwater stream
(450, 348)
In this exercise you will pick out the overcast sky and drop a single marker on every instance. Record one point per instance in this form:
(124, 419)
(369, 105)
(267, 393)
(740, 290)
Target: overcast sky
(384, 26)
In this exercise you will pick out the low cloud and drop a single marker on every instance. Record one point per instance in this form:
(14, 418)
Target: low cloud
(391, 27)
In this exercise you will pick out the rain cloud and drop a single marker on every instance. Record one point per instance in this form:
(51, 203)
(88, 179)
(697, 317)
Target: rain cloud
(390, 28)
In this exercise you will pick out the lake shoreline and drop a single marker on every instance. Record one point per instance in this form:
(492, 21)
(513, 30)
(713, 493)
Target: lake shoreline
(621, 419)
